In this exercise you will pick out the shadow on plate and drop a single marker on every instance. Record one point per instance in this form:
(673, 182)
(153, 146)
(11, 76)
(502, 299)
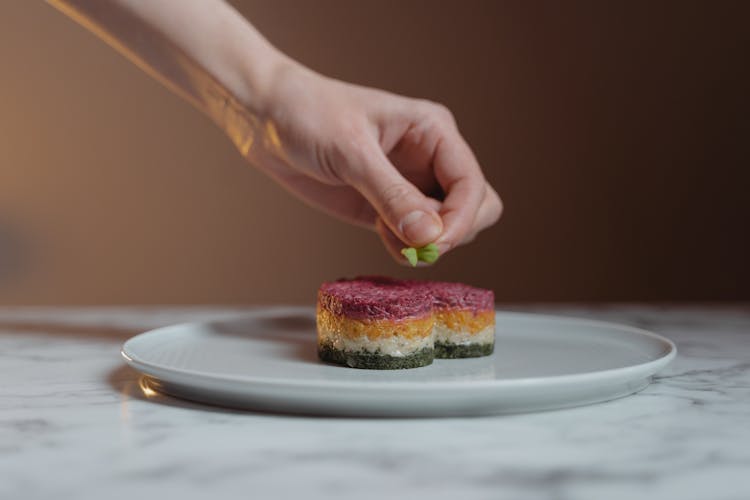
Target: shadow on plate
(295, 330)
(268, 325)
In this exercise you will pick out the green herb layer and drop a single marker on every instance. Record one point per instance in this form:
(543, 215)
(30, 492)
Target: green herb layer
(453, 351)
(375, 360)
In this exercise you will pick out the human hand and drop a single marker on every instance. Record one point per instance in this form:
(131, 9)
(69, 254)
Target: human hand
(387, 162)
(375, 159)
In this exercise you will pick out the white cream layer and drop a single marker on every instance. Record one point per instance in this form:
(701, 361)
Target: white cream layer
(445, 335)
(391, 346)
(400, 346)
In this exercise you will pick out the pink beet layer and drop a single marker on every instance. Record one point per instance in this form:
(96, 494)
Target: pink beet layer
(377, 297)
(458, 296)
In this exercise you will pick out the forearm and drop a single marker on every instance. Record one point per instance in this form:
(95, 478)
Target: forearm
(203, 50)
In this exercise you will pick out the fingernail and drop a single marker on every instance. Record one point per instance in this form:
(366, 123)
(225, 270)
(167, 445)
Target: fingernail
(419, 227)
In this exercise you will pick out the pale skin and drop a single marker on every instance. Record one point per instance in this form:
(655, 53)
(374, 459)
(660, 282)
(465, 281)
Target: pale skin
(390, 163)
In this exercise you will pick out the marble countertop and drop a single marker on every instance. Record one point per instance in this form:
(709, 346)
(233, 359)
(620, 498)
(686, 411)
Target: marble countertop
(74, 423)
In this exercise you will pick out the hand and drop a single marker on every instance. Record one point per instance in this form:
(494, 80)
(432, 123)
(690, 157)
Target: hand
(372, 158)
(390, 163)
(387, 162)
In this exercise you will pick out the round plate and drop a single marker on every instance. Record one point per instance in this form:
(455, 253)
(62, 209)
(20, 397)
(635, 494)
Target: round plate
(267, 360)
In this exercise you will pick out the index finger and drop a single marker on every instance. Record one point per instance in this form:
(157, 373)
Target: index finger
(458, 173)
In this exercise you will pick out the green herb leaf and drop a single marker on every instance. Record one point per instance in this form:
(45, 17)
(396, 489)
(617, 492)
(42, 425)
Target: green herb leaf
(411, 255)
(428, 253)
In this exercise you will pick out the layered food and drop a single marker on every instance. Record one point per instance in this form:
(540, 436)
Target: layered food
(383, 323)
(375, 323)
(464, 320)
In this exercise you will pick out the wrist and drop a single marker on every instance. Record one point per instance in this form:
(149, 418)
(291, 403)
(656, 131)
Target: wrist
(248, 69)
(259, 74)
(264, 86)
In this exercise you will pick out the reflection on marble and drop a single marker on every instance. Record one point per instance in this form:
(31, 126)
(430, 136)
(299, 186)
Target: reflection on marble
(76, 423)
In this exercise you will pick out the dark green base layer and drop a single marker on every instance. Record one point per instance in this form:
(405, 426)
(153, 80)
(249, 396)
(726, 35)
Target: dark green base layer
(452, 351)
(375, 361)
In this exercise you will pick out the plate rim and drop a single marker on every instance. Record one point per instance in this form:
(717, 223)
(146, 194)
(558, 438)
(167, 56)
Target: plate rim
(646, 369)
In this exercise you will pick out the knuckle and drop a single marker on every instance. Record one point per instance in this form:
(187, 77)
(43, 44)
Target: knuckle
(355, 143)
(442, 113)
(393, 195)
(435, 110)
(357, 137)
(347, 154)
(469, 237)
(351, 129)
(497, 207)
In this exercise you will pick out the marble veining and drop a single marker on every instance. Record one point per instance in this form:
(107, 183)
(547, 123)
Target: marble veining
(76, 423)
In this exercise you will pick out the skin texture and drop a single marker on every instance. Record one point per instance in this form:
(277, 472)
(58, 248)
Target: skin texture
(393, 164)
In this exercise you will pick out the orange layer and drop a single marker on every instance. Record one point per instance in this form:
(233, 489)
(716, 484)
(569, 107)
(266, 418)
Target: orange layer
(374, 329)
(464, 320)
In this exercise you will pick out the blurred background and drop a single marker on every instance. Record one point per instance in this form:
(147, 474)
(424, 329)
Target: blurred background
(616, 132)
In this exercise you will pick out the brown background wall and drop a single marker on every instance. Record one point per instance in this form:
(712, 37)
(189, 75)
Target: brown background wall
(616, 133)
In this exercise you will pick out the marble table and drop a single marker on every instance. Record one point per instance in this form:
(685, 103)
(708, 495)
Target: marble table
(76, 424)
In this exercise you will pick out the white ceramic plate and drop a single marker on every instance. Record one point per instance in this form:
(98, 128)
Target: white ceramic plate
(267, 360)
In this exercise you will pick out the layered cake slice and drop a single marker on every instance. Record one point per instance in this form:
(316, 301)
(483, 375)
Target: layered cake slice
(376, 323)
(464, 319)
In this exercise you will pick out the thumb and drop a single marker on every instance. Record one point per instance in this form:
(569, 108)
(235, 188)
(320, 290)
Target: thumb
(404, 208)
